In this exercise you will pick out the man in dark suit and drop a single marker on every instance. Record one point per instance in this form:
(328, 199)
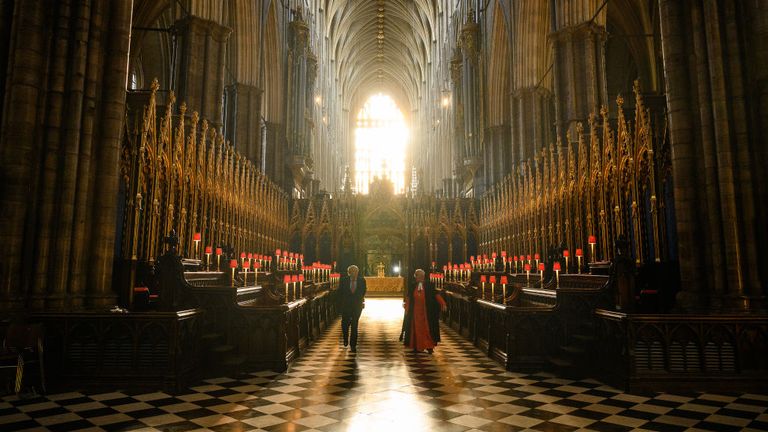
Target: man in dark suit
(351, 302)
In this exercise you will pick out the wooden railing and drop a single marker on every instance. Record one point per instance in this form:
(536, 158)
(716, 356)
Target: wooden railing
(683, 352)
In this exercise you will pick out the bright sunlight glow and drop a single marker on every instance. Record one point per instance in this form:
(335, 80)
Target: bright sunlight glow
(380, 140)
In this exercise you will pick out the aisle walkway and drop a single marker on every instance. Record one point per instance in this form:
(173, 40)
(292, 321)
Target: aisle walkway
(385, 388)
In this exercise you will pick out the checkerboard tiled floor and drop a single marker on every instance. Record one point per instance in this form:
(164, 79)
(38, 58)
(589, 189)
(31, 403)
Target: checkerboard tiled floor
(385, 388)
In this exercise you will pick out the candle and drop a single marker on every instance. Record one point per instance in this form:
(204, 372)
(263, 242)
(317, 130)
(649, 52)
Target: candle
(301, 285)
(556, 268)
(256, 267)
(537, 257)
(528, 274)
(566, 254)
(242, 257)
(218, 258)
(482, 286)
(592, 240)
(504, 289)
(493, 291)
(579, 254)
(208, 252)
(286, 281)
(504, 259)
(541, 273)
(233, 266)
(246, 266)
(197, 237)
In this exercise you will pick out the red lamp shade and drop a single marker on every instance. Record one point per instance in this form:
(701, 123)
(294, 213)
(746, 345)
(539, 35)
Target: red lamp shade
(504, 280)
(493, 279)
(503, 254)
(269, 258)
(592, 240)
(556, 266)
(472, 258)
(445, 268)
(455, 266)
(208, 250)
(529, 258)
(290, 255)
(579, 252)
(277, 252)
(433, 263)
(482, 278)
(246, 264)
(197, 237)
(493, 255)
(256, 265)
(287, 279)
(242, 254)
(301, 278)
(285, 254)
(527, 267)
(541, 266)
(250, 255)
(295, 278)
(536, 256)
(233, 263)
(566, 253)
(515, 257)
(218, 251)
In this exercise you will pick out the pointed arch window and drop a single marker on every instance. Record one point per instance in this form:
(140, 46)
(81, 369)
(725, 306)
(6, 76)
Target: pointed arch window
(381, 138)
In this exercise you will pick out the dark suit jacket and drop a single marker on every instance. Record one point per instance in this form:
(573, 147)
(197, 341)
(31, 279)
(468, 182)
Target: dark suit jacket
(351, 302)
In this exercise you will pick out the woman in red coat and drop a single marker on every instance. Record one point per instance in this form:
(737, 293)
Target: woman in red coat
(421, 323)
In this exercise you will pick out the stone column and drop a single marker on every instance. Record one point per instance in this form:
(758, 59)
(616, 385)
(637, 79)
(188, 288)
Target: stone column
(200, 71)
(532, 120)
(471, 100)
(19, 146)
(59, 150)
(243, 129)
(302, 72)
(106, 156)
(714, 142)
(579, 67)
(275, 155)
(497, 152)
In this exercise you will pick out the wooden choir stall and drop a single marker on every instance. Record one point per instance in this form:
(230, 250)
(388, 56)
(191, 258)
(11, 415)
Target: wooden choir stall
(598, 298)
(196, 299)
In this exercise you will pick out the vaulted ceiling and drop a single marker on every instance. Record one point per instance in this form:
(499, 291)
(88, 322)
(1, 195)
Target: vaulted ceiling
(381, 45)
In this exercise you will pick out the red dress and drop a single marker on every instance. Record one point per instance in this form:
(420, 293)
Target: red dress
(421, 339)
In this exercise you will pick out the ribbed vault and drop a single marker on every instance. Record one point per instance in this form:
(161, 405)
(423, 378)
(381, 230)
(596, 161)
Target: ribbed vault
(381, 46)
